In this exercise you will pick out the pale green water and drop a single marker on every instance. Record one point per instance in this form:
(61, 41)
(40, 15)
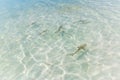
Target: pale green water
(34, 47)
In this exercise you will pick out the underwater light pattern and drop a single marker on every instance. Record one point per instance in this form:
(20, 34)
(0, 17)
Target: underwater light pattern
(59, 40)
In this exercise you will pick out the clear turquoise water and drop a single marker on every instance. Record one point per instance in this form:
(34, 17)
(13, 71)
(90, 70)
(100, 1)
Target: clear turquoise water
(34, 47)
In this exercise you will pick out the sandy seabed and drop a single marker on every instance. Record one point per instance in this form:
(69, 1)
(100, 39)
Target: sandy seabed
(37, 43)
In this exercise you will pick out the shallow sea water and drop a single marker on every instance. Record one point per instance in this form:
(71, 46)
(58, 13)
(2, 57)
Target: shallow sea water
(37, 38)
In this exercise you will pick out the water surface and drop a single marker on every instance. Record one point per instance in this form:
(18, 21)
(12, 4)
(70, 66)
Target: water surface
(37, 38)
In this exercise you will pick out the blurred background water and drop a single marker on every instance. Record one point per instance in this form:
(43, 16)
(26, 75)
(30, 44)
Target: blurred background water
(38, 36)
